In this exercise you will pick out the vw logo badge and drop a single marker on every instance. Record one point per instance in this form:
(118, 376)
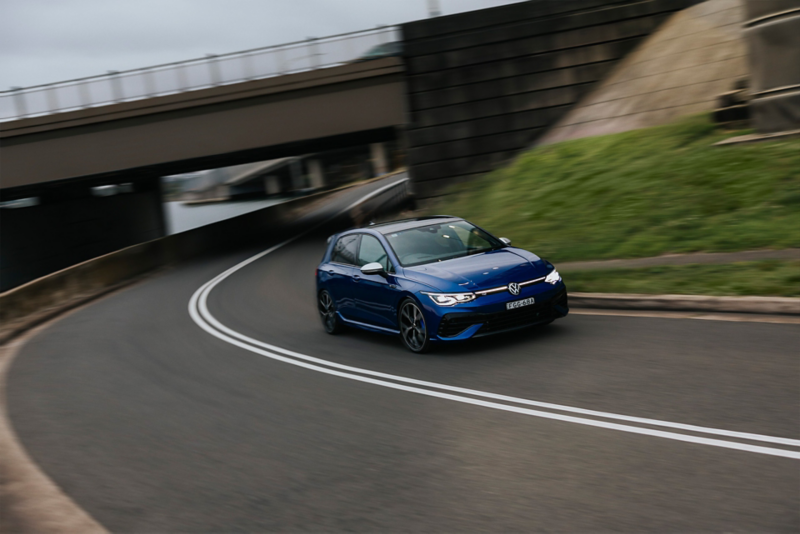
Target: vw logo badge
(513, 288)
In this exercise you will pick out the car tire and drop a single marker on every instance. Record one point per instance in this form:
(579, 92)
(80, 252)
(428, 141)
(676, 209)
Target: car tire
(413, 327)
(327, 311)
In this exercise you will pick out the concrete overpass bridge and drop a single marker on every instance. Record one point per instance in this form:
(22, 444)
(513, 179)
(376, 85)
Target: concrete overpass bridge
(213, 127)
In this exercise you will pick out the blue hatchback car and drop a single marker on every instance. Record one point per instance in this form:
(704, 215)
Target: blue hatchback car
(434, 279)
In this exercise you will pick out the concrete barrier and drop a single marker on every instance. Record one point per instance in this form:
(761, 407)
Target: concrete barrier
(30, 304)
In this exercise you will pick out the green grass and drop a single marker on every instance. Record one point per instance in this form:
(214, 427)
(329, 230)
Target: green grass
(641, 193)
(766, 278)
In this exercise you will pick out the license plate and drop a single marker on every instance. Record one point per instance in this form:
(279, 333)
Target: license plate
(519, 303)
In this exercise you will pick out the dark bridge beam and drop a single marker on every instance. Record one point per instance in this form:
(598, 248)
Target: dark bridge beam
(218, 126)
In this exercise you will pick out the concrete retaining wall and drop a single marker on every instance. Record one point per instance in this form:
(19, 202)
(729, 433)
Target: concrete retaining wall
(484, 85)
(681, 69)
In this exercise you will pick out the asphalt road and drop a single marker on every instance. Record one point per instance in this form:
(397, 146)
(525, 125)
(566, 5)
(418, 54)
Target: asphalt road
(151, 424)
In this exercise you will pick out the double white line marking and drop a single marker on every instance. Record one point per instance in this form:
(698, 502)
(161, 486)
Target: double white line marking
(198, 310)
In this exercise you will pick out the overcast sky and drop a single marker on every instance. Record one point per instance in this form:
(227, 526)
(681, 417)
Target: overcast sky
(43, 41)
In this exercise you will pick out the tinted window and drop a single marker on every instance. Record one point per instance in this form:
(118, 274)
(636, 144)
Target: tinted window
(439, 242)
(345, 250)
(370, 251)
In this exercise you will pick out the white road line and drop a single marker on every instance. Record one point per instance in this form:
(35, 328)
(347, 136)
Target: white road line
(198, 310)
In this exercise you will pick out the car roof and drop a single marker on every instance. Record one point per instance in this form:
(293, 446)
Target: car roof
(405, 224)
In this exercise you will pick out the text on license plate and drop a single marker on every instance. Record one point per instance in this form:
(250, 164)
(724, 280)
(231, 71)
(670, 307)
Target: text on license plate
(519, 303)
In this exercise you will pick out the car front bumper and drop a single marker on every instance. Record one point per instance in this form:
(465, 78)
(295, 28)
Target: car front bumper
(495, 319)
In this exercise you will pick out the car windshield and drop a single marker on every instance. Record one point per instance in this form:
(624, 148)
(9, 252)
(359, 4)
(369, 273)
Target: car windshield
(439, 242)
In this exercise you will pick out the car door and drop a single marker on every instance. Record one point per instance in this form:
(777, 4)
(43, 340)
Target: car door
(375, 295)
(341, 270)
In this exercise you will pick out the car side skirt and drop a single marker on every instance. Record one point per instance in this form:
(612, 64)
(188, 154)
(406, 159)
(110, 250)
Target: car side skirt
(365, 326)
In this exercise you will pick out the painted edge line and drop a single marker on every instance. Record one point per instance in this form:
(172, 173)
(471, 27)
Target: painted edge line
(207, 316)
(504, 407)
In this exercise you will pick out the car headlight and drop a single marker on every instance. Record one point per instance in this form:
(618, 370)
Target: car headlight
(450, 299)
(553, 277)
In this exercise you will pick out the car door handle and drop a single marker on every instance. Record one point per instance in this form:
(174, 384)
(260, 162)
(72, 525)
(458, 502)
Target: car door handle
(356, 278)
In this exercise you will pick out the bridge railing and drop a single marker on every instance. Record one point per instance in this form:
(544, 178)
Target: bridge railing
(199, 73)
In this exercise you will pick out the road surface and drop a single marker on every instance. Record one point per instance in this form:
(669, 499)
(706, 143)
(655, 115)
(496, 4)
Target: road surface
(152, 423)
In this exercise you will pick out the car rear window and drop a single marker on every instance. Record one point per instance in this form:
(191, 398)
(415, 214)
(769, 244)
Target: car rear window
(345, 250)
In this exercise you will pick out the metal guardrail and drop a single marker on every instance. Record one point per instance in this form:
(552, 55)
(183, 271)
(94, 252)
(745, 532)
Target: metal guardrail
(199, 73)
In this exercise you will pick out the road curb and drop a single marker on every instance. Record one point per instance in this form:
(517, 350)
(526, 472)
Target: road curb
(29, 500)
(691, 303)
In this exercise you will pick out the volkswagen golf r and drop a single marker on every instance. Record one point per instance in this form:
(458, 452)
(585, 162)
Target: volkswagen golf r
(432, 280)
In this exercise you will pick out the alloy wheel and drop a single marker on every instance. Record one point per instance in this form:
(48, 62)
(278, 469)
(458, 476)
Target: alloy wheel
(413, 328)
(327, 311)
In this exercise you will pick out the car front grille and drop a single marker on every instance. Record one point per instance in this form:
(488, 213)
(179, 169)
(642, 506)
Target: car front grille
(454, 323)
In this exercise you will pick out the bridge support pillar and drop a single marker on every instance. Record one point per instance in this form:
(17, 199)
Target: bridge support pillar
(296, 170)
(272, 185)
(316, 174)
(378, 156)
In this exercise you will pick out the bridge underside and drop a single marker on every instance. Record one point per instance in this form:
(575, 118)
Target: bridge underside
(60, 160)
(239, 123)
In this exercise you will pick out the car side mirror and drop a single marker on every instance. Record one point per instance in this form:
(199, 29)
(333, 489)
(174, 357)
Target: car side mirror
(505, 240)
(373, 268)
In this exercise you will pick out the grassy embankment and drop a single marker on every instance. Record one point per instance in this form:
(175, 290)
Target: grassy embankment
(772, 278)
(645, 193)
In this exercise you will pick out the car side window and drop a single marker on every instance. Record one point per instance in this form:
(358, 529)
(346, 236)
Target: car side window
(345, 250)
(371, 251)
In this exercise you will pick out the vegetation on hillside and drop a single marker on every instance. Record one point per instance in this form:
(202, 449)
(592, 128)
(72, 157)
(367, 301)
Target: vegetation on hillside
(766, 278)
(641, 193)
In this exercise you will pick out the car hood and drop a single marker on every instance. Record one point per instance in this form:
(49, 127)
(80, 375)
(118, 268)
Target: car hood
(479, 271)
